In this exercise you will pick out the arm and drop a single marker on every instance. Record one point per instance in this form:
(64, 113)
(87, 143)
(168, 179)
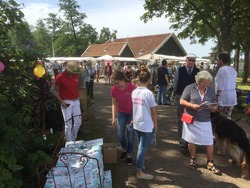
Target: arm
(186, 97)
(189, 104)
(55, 92)
(114, 109)
(220, 83)
(154, 116)
(176, 78)
(218, 95)
(167, 80)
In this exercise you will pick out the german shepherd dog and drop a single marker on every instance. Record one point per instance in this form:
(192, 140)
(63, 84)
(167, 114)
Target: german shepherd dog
(232, 138)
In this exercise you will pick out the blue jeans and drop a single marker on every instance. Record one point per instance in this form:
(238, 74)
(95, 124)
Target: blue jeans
(161, 96)
(123, 120)
(144, 139)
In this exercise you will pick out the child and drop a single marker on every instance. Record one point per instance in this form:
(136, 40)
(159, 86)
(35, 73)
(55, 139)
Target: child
(144, 120)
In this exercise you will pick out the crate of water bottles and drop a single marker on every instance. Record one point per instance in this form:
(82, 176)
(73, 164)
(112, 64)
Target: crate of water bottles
(80, 165)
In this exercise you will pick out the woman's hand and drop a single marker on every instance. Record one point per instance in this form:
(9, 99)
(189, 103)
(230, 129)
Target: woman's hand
(113, 123)
(195, 107)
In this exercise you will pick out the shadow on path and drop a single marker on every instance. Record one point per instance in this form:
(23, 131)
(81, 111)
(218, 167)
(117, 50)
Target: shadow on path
(164, 160)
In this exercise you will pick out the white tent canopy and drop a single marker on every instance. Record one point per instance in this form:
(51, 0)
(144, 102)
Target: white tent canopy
(106, 57)
(79, 59)
(125, 59)
(111, 58)
(54, 58)
(181, 59)
(51, 59)
(151, 57)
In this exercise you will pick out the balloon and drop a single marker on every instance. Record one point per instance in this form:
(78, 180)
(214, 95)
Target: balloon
(1, 67)
(39, 71)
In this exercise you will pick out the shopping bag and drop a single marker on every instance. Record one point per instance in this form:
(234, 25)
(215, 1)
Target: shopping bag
(153, 140)
(187, 118)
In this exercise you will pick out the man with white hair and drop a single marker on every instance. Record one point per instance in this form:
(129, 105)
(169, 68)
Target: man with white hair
(184, 76)
(55, 67)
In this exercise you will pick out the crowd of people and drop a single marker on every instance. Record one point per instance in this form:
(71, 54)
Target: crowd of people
(134, 104)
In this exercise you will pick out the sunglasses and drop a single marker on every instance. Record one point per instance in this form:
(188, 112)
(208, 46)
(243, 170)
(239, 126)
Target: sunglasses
(191, 60)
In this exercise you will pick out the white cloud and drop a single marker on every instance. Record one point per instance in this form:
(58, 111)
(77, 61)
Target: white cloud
(36, 11)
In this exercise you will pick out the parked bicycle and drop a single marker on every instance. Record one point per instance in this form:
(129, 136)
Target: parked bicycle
(171, 95)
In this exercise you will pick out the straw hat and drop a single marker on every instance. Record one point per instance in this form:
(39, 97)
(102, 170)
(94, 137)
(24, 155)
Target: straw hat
(73, 67)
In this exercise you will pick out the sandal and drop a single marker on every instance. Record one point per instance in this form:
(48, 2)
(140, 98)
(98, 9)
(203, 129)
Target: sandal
(192, 163)
(212, 167)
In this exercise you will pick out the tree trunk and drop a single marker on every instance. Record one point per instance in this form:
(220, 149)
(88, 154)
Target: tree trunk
(246, 65)
(236, 58)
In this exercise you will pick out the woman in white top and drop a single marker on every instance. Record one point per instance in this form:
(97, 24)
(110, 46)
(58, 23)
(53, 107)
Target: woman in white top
(225, 85)
(144, 120)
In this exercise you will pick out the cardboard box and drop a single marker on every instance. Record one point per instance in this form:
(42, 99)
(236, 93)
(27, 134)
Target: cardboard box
(109, 151)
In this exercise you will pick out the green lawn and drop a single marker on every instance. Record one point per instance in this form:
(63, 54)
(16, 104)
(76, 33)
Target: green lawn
(243, 86)
(239, 108)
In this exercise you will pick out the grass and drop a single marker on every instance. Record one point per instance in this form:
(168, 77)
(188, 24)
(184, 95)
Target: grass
(94, 130)
(239, 108)
(243, 86)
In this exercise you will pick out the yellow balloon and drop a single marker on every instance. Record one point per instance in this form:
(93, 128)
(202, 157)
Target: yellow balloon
(39, 71)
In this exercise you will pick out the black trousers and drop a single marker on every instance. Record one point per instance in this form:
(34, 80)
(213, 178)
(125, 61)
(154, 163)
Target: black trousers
(90, 88)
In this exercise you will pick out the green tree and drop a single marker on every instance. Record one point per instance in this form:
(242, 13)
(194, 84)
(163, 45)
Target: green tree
(42, 38)
(53, 24)
(18, 152)
(201, 19)
(106, 35)
(74, 21)
(87, 35)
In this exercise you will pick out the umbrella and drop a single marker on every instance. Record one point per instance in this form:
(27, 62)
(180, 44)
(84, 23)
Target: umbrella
(106, 58)
(151, 57)
(125, 59)
(78, 59)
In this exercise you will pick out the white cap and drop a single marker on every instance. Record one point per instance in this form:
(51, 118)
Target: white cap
(191, 56)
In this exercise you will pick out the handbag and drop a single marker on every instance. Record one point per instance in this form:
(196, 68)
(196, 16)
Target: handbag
(187, 118)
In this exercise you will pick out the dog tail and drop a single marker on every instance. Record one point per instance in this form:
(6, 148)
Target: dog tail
(245, 164)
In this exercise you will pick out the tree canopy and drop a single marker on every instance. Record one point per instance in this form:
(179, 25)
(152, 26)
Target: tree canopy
(224, 21)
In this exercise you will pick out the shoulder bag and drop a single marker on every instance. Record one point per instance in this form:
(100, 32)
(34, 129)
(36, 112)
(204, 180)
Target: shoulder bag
(187, 118)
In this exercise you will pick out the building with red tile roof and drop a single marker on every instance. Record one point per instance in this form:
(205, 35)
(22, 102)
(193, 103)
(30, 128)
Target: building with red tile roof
(165, 44)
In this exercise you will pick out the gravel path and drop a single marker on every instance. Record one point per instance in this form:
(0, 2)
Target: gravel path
(164, 160)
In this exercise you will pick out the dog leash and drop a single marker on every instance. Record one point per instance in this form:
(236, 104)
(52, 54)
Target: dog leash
(241, 119)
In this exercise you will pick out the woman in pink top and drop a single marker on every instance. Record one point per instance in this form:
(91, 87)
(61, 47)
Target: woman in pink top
(122, 107)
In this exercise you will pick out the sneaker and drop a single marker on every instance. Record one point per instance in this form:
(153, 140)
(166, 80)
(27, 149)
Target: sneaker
(129, 161)
(145, 176)
(123, 156)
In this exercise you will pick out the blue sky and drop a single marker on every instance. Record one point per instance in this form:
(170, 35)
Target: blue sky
(120, 15)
